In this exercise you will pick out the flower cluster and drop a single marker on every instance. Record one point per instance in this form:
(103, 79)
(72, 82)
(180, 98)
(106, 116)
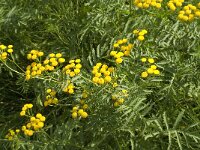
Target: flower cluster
(115, 85)
(83, 105)
(121, 45)
(188, 13)
(102, 73)
(34, 54)
(118, 97)
(80, 109)
(76, 111)
(5, 51)
(140, 34)
(25, 108)
(50, 98)
(84, 94)
(34, 124)
(117, 56)
(172, 4)
(52, 61)
(11, 134)
(151, 70)
(33, 70)
(69, 88)
(73, 68)
(148, 3)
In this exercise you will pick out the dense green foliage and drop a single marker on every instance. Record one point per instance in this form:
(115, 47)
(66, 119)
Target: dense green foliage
(160, 112)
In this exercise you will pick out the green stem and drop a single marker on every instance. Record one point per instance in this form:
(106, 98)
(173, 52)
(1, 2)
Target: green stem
(12, 69)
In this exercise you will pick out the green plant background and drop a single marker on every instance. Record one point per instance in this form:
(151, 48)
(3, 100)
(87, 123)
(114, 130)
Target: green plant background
(159, 113)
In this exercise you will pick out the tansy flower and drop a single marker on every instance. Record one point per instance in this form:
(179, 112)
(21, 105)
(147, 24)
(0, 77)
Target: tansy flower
(151, 60)
(144, 74)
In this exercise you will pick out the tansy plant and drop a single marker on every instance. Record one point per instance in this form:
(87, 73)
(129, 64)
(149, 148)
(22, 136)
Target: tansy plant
(99, 75)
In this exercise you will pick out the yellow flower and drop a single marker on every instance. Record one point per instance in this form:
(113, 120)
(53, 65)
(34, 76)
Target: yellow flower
(40, 124)
(58, 55)
(150, 71)
(97, 74)
(153, 67)
(28, 77)
(46, 61)
(120, 54)
(127, 53)
(114, 97)
(121, 101)
(71, 61)
(52, 59)
(38, 115)
(42, 118)
(119, 42)
(32, 119)
(51, 55)
(29, 106)
(84, 115)
(158, 5)
(124, 40)
(156, 72)
(101, 81)
(119, 60)
(140, 38)
(84, 95)
(77, 71)
(85, 106)
(74, 115)
(115, 84)
(116, 104)
(141, 33)
(113, 53)
(4, 54)
(106, 73)
(116, 45)
(143, 59)
(144, 31)
(55, 101)
(71, 91)
(95, 79)
(22, 113)
(198, 5)
(111, 69)
(107, 79)
(151, 60)
(39, 72)
(28, 125)
(72, 74)
(3, 47)
(30, 132)
(10, 50)
(102, 70)
(144, 74)
(40, 54)
(23, 128)
(10, 46)
(54, 63)
(197, 13)
(80, 111)
(99, 64)
(53, 93)
(78, 66)
(61, 60)
(135, 31)
(75, 108)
